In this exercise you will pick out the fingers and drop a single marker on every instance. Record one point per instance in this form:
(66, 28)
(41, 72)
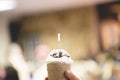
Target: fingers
(46, 78)
(70, 76)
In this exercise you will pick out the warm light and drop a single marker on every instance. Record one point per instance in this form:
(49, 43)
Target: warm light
(7, 5)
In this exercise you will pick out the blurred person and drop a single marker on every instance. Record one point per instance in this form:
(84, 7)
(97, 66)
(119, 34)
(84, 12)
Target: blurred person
(8, 73)
(11, 73)
(116, 72)
(105, 63)
(41, 53)
(17, 60)
(110, 33)
(2, 73)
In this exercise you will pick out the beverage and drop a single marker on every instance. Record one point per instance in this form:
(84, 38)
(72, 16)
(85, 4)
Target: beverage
(58, 62)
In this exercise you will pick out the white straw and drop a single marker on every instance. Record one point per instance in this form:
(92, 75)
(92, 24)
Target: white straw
(58, 40)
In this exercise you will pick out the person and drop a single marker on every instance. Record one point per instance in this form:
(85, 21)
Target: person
(68, 75)
(2, 72)
(17, 60)
(11, 73)
(41, 53)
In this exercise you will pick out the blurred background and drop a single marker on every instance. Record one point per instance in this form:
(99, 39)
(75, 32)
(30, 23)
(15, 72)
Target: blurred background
(90, 32)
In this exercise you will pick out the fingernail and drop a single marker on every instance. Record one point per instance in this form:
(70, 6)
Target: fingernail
(68, 72)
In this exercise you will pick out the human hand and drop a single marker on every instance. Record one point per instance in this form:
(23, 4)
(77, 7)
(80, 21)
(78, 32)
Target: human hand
(69, 75)
(46, 78)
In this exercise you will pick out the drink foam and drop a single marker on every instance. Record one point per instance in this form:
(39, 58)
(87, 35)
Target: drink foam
(59, 55)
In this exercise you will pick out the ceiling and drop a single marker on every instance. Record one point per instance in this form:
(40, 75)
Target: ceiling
(27, 7)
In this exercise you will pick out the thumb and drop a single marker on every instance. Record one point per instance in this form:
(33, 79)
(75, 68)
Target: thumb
(46, 78)
(71, 76)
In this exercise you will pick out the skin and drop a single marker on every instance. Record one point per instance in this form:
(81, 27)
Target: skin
(69, 75)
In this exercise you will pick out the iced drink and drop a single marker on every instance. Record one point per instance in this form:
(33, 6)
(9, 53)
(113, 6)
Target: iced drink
(58, 62)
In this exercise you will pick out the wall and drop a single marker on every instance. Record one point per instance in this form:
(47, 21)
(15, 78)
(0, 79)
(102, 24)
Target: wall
(4, 38)
(77, 28)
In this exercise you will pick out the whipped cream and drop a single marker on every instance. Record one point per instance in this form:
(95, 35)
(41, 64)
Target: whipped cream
(59, 55)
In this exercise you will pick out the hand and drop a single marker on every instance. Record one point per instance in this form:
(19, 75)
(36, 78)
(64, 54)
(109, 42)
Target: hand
(46, 78)
(69, 75)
